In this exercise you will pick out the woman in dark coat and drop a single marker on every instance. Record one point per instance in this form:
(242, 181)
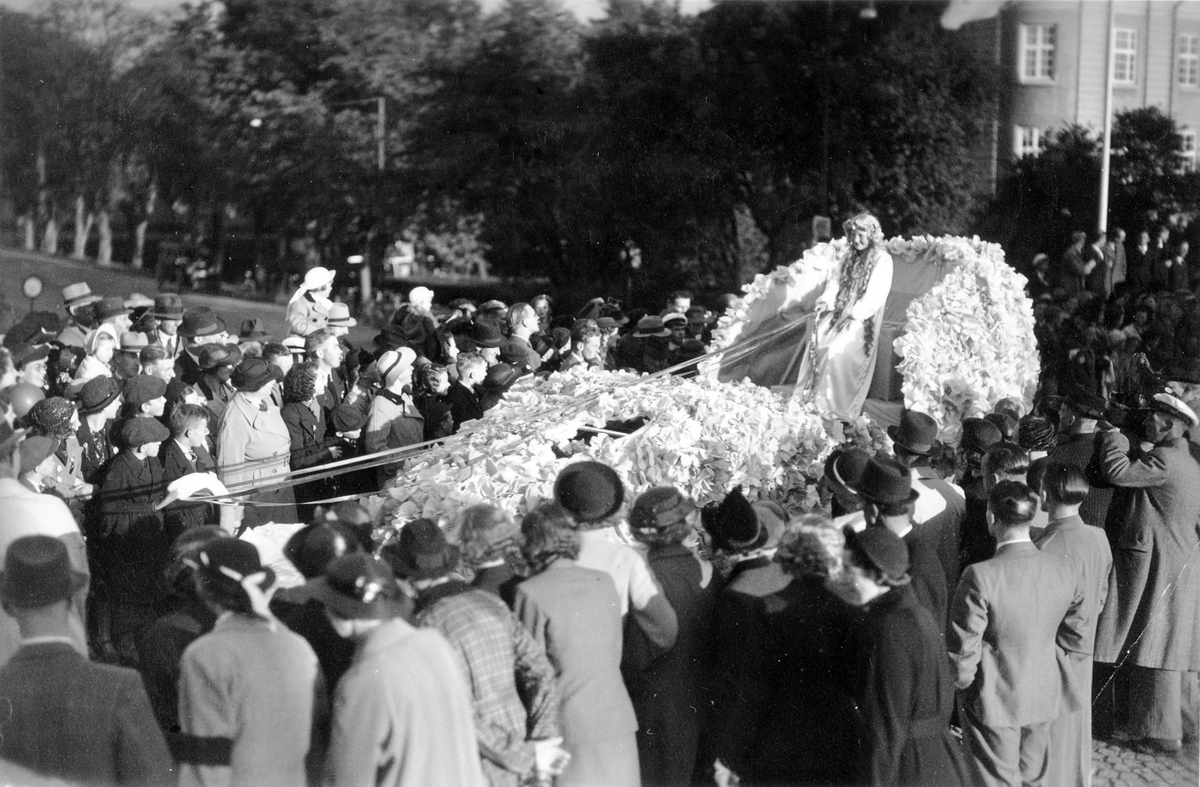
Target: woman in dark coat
(306, 426)
(811, 731)
(575, 614)
(665, 687)
(900, 673)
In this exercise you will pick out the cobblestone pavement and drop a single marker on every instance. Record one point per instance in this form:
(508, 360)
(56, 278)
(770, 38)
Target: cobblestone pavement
(1115, 765)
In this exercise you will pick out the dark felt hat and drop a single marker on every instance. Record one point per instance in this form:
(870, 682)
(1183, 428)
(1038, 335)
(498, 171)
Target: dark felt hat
(110, 307)
(659, 508)
(143, 388)
(35, 450)
(359, 586)
(917, 433)
(737, 525)
(884, 480)
(845, 466)
(591, 491)
(140, 430)
(38, 573)
(487, 333)
(29, 353)
(212, 356)
(421, 552)
(1086, 403)
(882, 548)
(651, 326)
(167, 306)
(313, 547)
(201, 321)
(979, 435)
(227, 563)
(98, 393)
(499, 377)
(1005, 423)
(253, 373)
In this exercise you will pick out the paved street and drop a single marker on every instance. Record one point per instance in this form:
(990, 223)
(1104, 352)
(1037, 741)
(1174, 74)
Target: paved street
(1114, 765)
(16, 266)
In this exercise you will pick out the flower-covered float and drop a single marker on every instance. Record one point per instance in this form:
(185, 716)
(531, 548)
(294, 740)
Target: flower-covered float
(957, 318)
(959, 321)
(700, 435)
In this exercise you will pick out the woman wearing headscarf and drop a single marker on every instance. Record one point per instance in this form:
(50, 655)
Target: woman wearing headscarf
(839, 358)
(575, 614)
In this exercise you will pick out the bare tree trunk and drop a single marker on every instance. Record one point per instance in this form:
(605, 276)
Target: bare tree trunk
(29, 228)
(139, 232)
(50, 233)
(104, 228)
(50, 229)
(84, 220)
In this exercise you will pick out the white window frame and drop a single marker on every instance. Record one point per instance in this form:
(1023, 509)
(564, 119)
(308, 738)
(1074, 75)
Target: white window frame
(1039, 42)
(1188, 153)
(1187, 61)
(1029, 141)
(1125, 46)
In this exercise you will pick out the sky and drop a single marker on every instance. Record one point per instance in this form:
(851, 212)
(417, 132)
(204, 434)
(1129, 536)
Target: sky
(584, 9)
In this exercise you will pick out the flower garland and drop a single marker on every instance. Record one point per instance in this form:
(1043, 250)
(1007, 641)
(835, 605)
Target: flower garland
(700, 435)
(968, 342)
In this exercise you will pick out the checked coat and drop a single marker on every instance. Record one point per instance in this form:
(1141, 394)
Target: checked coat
(502, 664)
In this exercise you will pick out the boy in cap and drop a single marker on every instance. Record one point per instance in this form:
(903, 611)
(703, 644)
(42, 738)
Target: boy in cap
(145, 397)
(512, 681)
(129, 546)
(252, 700)
(402, 715)
(68, 718)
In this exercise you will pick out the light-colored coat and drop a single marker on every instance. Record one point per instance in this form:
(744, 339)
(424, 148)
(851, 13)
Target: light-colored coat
(1154, 590)
(259, 685)
(253, 445)
(402, 716)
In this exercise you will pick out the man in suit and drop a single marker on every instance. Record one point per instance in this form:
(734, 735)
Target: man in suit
(67, 717)
(186, 452)
(1064, 488)
(200, 326)
(940, 504)
(463, 395)
(1077, 446)
(1150, 620)
(168, 315)
(1075, 268)
(1015, 624)
(887, 488)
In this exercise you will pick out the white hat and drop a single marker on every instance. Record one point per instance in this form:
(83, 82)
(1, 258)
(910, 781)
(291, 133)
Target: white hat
(420, 295)
(1171, 405)
(317, 278)
(392, 361)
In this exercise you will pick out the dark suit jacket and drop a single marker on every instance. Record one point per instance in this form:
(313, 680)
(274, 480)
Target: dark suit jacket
(1081, 451)
(184, 514)
(1014, 617)
(187, 369)
(926, 569)
(77, 720)
(131, 549)
(464, 404)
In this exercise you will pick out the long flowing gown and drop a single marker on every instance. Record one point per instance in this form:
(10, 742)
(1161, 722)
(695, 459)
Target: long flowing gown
(836, 367)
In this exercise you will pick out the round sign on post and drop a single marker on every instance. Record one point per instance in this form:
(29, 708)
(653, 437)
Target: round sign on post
(32, 287)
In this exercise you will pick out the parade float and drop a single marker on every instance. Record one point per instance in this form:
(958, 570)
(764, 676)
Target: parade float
(957, 337)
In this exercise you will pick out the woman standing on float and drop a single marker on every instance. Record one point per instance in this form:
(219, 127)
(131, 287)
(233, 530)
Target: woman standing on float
(839, 359)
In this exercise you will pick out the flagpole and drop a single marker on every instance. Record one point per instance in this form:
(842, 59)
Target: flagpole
(1106, 149)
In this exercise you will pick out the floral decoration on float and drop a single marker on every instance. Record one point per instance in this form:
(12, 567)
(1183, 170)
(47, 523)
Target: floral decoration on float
(699, 435)
(967, 343)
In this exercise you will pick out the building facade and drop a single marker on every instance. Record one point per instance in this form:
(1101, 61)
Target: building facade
(1051, 59)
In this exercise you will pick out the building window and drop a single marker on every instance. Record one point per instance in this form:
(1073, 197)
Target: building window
(1029, 141)
(1189, 61)
(1125, 57)
(1037, 53)
(1188, 152)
